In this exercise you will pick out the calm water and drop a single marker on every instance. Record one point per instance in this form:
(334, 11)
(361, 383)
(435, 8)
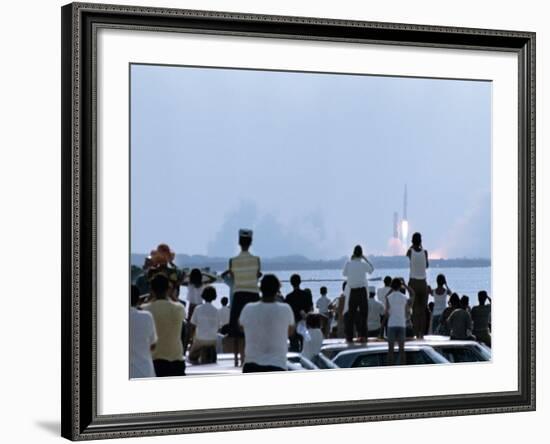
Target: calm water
(466, 281)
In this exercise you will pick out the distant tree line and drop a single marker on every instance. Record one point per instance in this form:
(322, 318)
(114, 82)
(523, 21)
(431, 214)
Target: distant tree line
(296, 262)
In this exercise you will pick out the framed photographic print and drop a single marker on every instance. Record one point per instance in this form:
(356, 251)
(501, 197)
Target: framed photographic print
(273, 221)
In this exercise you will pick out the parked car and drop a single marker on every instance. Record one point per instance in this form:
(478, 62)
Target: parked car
(453, 350)
(331, 347)
(322, 362)
(457, 350)
(225, 365)
(295, 361)
(376, 355)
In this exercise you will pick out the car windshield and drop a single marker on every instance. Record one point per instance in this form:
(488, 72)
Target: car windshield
(331, 352)
(460, 354)
(379, 359)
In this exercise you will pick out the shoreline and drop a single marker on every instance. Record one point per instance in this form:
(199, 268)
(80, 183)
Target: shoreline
(298, 263)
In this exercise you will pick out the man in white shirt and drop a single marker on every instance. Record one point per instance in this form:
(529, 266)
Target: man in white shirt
(397, 307)
(323, 305)
(206, 321)
(143, 337)
(314, 340)
(267, 325)
(356, 314)
(382, 292)
(376, 312)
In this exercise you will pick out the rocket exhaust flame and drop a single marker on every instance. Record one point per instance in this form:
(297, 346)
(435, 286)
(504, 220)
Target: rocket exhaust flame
(404, 231)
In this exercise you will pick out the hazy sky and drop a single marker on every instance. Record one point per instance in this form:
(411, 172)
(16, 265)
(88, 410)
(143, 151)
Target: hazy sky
(314, 163)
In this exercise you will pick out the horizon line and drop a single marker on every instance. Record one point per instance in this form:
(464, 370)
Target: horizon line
(329, 259)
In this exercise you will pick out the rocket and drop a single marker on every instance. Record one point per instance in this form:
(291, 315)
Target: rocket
(401, 227)
(405, 203)
(404, 221)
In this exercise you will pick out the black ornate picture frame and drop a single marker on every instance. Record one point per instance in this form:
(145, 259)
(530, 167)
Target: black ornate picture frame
(80, 419)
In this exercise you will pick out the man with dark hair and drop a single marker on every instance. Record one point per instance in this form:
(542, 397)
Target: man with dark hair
(454, 304)
(143, 337)
(323, 305)
(460, 321)
(381, 294)
(168, 315)
(357, 305)
(418, 263)
(206, 322)
(397, 306)
(266, 324)
(301, 303)
(481, 317)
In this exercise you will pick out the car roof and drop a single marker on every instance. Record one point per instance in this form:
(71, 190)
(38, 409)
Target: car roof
(449, 343)
(382, 347)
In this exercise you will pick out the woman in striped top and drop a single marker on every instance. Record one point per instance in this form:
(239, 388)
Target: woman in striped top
(245, 272)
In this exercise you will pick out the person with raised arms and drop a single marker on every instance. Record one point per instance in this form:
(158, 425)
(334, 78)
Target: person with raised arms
(418, 262)
(397, 305)
(356, 307)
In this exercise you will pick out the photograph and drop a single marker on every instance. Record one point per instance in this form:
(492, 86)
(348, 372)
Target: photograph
(277, 221)
(303, 221)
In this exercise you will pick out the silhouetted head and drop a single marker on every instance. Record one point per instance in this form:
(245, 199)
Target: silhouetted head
(308, 292)
(313, 320)
(441, 280)
(209, 293)
(482, 297)
(396, 284)
(245, 243)
(417, 240)
(295, 281)
(134, 295)
(159, 286)
(195, 278)
(269, 286)
(358, 251)
(454, 301)
(245, 239)
(387, 281)
(224, 301)
(372, 292)
(323, 291)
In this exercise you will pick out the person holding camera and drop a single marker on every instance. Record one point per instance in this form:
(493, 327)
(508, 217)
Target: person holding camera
(356, 306)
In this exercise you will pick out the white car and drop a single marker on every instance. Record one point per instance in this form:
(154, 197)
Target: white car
(376, 355)
(455, 350)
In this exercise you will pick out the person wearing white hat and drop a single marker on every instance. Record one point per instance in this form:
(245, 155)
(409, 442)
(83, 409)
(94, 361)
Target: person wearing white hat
(245, 272)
